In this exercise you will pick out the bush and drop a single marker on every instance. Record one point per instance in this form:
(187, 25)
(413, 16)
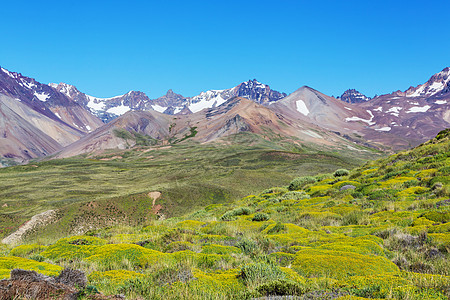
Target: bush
(256, 273)
(279, 227)
(299, 182)
(231, 214)
(247, 246)
(260, 217)
(294, 196)
(280, 288)
(341, 172)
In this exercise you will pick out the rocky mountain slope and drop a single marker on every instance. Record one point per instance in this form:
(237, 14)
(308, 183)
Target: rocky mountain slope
(36, 119)
(353, 96)
(171, 103)
(213, 124)
(412, 116)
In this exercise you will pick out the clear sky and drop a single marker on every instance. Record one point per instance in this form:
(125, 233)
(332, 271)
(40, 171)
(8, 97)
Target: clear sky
(107, 48)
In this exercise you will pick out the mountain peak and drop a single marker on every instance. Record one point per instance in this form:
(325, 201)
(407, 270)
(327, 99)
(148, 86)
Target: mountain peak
(438, 84)
(353, 96)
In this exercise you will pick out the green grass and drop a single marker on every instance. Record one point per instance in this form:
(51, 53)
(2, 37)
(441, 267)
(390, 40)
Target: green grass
(189, 175)
(389, 238)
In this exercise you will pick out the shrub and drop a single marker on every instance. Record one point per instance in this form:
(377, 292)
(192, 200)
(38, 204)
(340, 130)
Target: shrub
(247, 246)
(169, 275)
(25, 250)
(12, 262)
(73, 247)
(113, 255)
(294, 196)
(338, 264)
(231, 214)
(277, 228)
(341, 172)
(219, 249)
(299, 182)
(260, 217)
(280, 287)
(256, 273)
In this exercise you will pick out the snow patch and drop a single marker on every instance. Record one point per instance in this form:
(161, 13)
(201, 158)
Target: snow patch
(301, 107)
(395, 110)
(387, 128)
(8, 73)
(348, 108)
(415, 109)
(356, 119)
(95, 104)
(41, 96)
(206, 99)
(58, 115)
(26, 84)
(88, 128)
(441, 102)
(380, 109)
(118, 110)
(159, 108)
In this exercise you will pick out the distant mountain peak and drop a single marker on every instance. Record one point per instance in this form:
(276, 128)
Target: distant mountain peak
(438, 84)
(353, 96)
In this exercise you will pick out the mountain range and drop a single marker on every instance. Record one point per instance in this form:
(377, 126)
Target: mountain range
(39, 119)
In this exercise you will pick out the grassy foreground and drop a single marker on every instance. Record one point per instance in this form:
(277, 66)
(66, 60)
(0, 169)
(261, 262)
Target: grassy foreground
(379, 231)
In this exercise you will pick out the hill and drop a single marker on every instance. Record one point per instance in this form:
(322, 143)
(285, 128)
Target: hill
(377, 231)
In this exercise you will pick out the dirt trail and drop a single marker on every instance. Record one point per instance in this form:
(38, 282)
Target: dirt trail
(35, 222)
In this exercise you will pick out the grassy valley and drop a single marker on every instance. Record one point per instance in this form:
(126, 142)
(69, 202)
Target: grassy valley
(377, 231)
(190, 176)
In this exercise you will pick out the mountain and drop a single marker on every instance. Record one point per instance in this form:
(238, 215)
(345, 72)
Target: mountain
(47, 101)
(167, 104)
(105, 108)
(252, 90)
(310, 105)
(411, 117)
(37, 120)
(171, 103)
(437, 85)
(353, 96)
(215, 124)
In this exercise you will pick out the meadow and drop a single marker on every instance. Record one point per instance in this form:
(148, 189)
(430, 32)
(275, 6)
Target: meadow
(378, 231)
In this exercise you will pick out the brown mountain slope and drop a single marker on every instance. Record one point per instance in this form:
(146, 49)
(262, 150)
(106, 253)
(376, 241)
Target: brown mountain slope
(119, 133)
(20, 139)
(234, 116)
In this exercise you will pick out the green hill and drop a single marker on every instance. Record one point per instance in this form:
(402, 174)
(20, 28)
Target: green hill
(378, 231)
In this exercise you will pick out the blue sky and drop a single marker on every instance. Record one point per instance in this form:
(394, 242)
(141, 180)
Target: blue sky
(107, 48)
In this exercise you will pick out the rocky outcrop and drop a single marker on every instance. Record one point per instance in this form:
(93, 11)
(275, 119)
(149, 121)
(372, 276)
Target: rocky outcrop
(353, 96)
(35, 223)
(24, 284)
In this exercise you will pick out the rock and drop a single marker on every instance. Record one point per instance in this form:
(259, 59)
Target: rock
(31, 276)
(347, 187)
(69, 285)
(32, 285)
(37, 221)
(73, 278)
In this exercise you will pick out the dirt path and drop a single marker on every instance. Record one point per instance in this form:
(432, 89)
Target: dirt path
(35, 222)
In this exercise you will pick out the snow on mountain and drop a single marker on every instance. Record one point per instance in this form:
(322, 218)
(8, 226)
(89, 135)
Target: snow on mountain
(105, 108)
(301, 107)
(353, 96)
(253, 90)
(438, 84)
